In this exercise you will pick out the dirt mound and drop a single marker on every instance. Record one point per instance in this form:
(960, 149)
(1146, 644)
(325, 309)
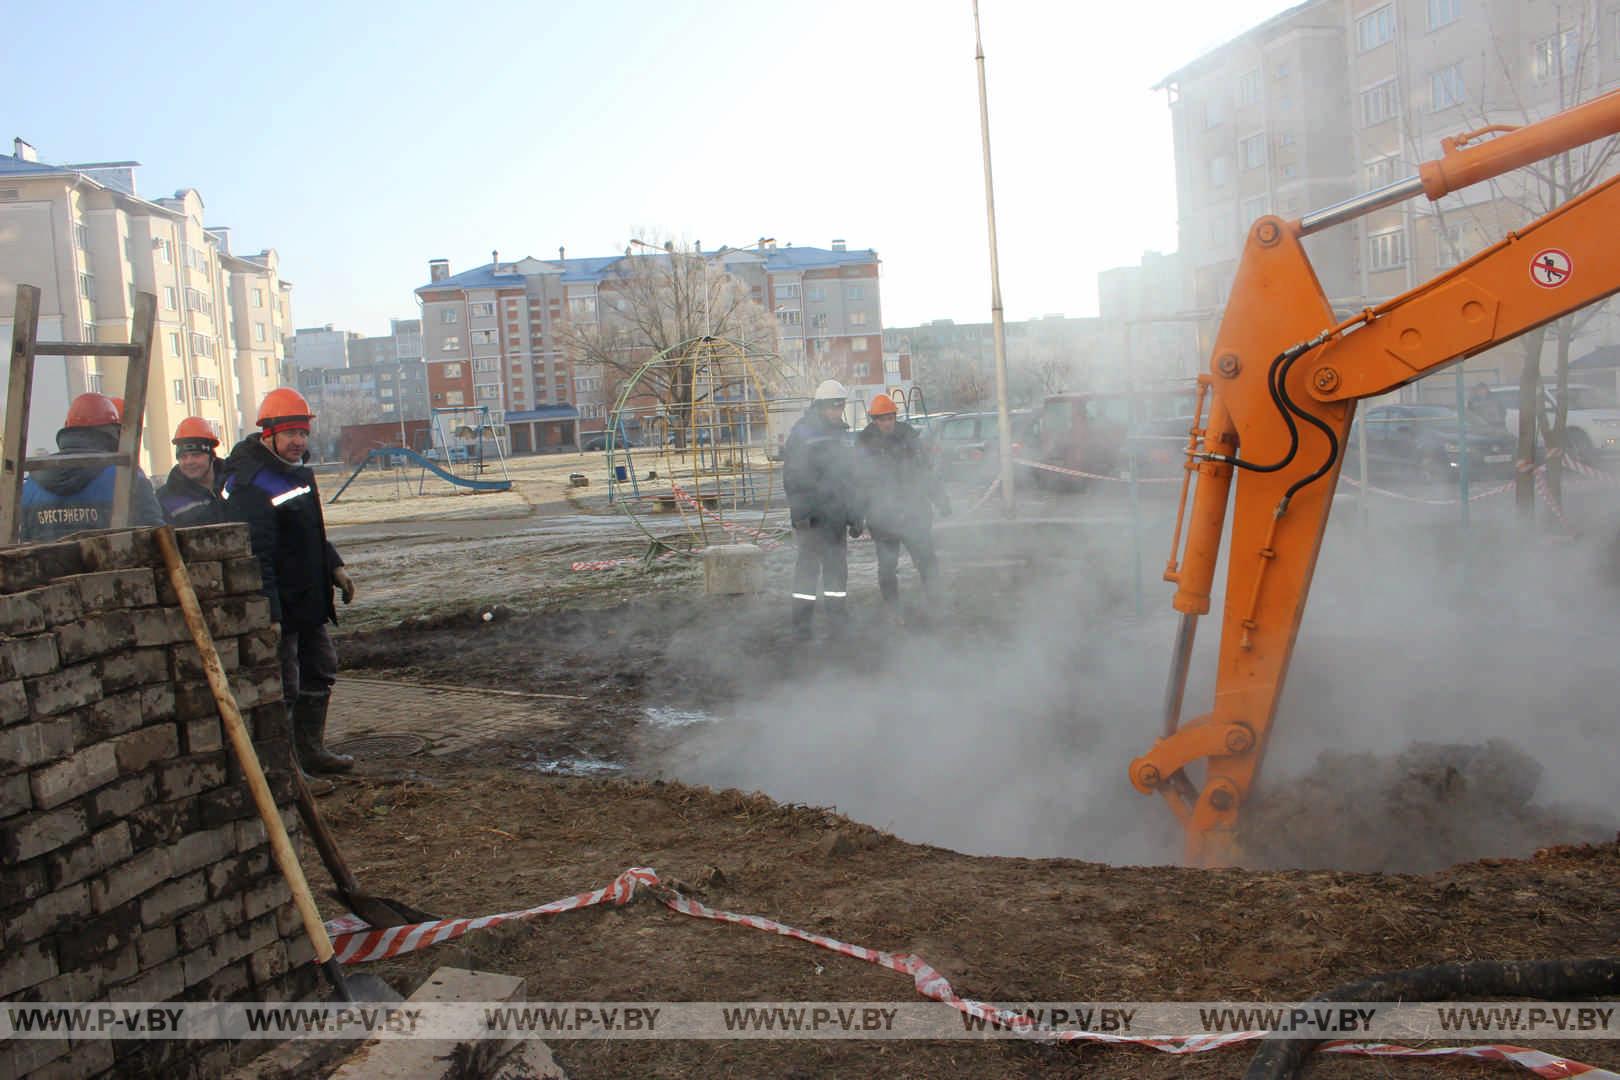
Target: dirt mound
(1431, 806)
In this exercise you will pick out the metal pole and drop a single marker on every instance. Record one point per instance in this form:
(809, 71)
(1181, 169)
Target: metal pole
(1462, 478)
(1136, 533)
(1361, 464)
(1003, 415)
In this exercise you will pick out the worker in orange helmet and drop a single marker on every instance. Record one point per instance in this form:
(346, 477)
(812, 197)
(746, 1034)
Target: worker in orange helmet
(901, 490)
(66, 499)
(190, 496)
(268, 487)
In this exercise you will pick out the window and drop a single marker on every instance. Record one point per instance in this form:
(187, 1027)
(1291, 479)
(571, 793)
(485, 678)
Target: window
(171, 301)
(1379, 173)
(87, 286)
(454, 397)
(81, 235)
(486, 363)
(1446, 87)
(450, 344)
(1378, 103)
(486, 337)
(88, 330)
(1254, 151)
(452, 371)
(491, 392)
(1285, 139)
(174, 343)
(1251, 210)
(857, 318)
(1219, 168)
(180, 391)
(582, 307)
(1281, 72)
(855, 292)
(1214, 112)
(818, 321)
(264, 367)
(1555, 56)
(92, 382)
(483, 310)
(202, 345)
(788, 316)
(1375, 28)
(205, 389)
(258, 332)
(1444, 12)
(1249, 87)
(788, 290)
(857, 344)
(258, 298)
(816, 293)
(449, 316)
(386, 392)
(1386, 250)
(165, 252)
(132, 295)
(1449, 243)
(129, 250)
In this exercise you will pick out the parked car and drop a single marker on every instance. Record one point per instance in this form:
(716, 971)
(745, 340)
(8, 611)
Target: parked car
(1426, 441)
(596, 442)
(1592, 424)
(1100, 432)
(969, 443)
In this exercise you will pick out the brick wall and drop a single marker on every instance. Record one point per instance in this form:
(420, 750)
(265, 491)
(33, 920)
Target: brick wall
(133, 866)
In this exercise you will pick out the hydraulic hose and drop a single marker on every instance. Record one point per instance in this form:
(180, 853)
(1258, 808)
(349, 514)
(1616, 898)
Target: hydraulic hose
(1545, 980)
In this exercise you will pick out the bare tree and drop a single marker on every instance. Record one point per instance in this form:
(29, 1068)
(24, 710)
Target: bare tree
(666, 304)
(341, 407)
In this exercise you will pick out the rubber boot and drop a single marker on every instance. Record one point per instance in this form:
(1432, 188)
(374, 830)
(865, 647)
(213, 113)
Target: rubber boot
(837, 616)
(803, 612)
(313, 784)
(309, 736)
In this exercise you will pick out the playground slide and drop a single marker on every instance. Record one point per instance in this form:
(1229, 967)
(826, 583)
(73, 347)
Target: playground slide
(431, 466)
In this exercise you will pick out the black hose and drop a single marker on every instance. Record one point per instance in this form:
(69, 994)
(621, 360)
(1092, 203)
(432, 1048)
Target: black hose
(1333, 440)
(1544, 980)
(1293, 429)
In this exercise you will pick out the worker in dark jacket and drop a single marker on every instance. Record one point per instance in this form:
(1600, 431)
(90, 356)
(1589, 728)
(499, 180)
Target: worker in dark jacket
(268, 487)
(818, 476)
(74, 498)
(190, 496)
(901, 490)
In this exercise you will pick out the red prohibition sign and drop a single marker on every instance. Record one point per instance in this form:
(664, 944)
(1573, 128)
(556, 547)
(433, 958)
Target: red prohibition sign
(1551, 267)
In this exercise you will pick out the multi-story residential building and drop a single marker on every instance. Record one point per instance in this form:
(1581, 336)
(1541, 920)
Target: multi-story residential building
(496, 336)
(91, 243)
(1335, 97)
(955, 362)
(321, 347)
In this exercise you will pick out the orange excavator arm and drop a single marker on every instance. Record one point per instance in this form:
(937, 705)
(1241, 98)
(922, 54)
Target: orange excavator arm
(1283, 381)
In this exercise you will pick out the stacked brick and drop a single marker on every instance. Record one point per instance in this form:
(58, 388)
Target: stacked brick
(133, 866)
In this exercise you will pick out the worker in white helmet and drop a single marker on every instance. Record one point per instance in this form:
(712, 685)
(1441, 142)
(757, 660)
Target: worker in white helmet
(818, 475)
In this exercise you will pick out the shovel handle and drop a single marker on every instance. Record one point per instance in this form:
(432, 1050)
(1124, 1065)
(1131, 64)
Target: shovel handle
(325, 843)
(236, 731)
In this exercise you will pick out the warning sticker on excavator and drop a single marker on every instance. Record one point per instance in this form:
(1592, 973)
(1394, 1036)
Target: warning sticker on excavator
(1551, 268)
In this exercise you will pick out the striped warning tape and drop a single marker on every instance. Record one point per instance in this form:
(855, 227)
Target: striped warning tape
(354, 942)
(1044, 467)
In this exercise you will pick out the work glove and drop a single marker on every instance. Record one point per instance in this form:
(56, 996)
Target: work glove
(345, 584)
(856, 528)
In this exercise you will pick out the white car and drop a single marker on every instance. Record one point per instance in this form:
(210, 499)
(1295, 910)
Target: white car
(1593, 423)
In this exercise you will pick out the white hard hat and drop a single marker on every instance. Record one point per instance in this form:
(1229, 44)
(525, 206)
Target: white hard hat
(831, 390)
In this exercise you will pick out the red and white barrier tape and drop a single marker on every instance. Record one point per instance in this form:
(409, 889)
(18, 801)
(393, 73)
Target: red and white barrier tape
(765, 538)
(1095, 476)
(1473, 496)
(989, 491)
(354, 942)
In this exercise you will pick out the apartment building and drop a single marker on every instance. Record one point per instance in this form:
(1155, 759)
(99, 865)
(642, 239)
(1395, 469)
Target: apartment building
(495, 336)
(321, 347)
(91, 243)
(1335, 97)
(954, 363)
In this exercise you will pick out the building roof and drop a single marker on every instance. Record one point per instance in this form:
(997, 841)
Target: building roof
(597, 268)
(1208, 56)
(544, 412)
(12, 166)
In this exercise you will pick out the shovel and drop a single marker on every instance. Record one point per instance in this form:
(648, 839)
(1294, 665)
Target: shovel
(349, 988)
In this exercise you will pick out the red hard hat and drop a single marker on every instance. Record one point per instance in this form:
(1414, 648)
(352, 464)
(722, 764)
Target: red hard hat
(195, 429)
(92, 410)
(882, 405)
(284, 409)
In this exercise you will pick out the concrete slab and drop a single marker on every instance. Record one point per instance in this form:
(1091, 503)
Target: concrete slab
(423, 1059)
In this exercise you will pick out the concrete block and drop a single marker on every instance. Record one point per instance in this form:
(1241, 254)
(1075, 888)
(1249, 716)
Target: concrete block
(157, 702)
(70, 986)
(120, 799)
(22, 882)
(185, 664)
(265, 897)
(16, 795)
(26, 746)
(117, 590)
(147, 746)
(60, 602)
(207, 581)
(237, 615)
(136, 877)
(86, 770)
(71, 688)
(203, 962)
(47, 915)
(108, 718)
(166, 902)
(162, 983)
(229, 803)
(191, 775)
(268, 964)
(21, 613)
(260, 647)
(157, 944)
(88, 1058)
(119, 551)
(162, 823)
(242, 576)
(197, 928)
(32, 565)
(13, 702)
(95, 635)
(205, 735)
(96, 939)
(206, 543)
(197, 849)
(159, 626)
(29, 1057)
(104, 849)
(383, 1058)
(250, 834)
(233, 876)
(26, 657)
(300, 950)
(134, 668)
(733, 570)
(229, 983)
(40, 831)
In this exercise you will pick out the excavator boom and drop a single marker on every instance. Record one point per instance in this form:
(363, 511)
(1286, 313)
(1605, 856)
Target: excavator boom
(1283, 381)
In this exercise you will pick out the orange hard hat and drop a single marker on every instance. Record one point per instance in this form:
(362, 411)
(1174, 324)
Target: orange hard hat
(882, 405)
(118, 403)
(91, 410)
(194, 429)
(284, 409)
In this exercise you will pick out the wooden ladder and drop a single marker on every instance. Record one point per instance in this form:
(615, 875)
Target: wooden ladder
(14, 460)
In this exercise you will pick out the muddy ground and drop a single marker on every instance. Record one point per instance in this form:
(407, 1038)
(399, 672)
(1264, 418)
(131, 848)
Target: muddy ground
(980, 762)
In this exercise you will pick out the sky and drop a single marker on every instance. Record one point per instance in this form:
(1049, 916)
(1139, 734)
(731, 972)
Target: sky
(362, 140)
